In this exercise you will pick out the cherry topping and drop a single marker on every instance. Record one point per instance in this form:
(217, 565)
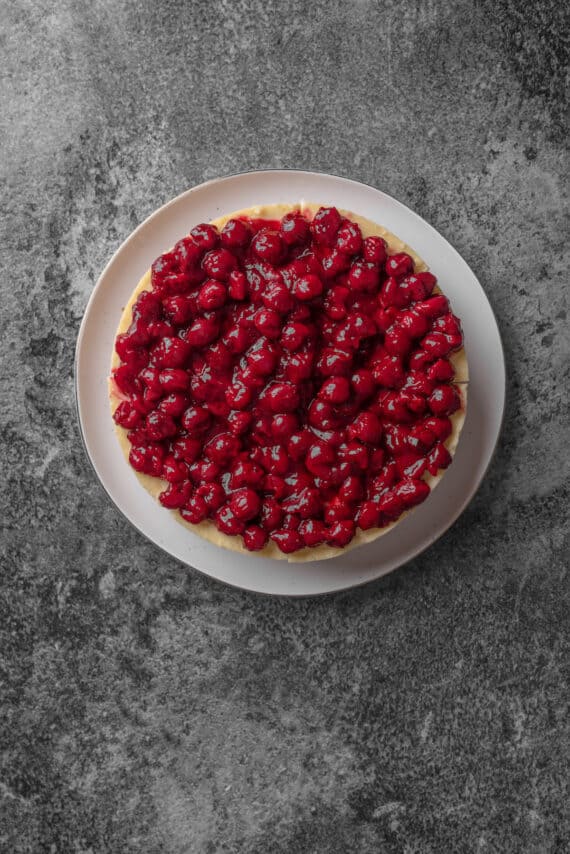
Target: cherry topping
(288, 380)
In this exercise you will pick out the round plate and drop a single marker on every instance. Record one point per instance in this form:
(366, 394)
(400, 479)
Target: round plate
(486, 389)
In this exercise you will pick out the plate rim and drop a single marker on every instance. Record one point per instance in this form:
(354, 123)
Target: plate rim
(349, 585)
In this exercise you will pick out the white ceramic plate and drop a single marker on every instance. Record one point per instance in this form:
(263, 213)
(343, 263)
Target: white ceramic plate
(486, 391)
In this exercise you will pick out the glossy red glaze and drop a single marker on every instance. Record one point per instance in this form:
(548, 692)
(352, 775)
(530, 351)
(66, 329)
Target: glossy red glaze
(289, 380)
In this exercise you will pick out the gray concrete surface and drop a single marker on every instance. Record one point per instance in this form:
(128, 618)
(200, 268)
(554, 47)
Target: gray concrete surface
(147, 709)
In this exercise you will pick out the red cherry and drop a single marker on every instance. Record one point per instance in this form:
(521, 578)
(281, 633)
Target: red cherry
(222, 448)
(349, 238)
(333, 262)
(275, 459)
(374, 250)
(175, 495)
(237, 339)
(421, 439)
(351, 489)
(235, 234)
(396, 439)
(227, 523)
(390, 505)
(284, 425)
(174, 470)
(218, 264)
(174, 403)
(313, 532)
(254, 538)
(325, 226)
(341, 533)
(441, 427)
(439, 458)
(307, 287)
(245, 504)
(299, 443)
(294, 229)
(444, 400)
(414, 324)
(337, 510)
(179, 309)
(195, 510)
(294, 335)
(174, 379)
(205, 236)
(212, 295)
(268, 322)
(389, 372)
(335, 390)
(147, 307)
(148, 458)
(440, 371)
(411, 464)
(196, 419)
(172, 353)
(269, 246)
(319, 457)
(305, 503)
(158, 425)
(246, 473)
(436, 344)
(203, 331)
(355, 454)
(366, 427)
(412, 491)
(271, 514)
(363, 383)
(213, 494)
(335, 361)
(187, 449)
(277, 297)
(397, 341)
(263, 358)
(163, 266)
(433, 307)
(287, 541)
(280, 397)
(368, 515)
(399, 264)
(321, 415)
(238, 422)
(237, 285)
(299, 366)
(364, 276)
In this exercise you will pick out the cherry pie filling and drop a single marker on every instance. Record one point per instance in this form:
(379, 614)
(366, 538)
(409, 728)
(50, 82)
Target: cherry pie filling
(289, 379)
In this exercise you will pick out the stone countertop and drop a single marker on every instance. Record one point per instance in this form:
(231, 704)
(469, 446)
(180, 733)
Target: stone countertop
(148, 709)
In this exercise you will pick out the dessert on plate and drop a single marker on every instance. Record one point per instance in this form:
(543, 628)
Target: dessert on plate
(289, 381)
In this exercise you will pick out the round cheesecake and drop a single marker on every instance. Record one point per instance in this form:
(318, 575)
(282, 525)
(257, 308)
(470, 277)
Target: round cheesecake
(289, 381)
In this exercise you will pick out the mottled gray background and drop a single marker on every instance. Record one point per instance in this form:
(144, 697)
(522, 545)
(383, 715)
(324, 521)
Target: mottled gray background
(148, 709)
